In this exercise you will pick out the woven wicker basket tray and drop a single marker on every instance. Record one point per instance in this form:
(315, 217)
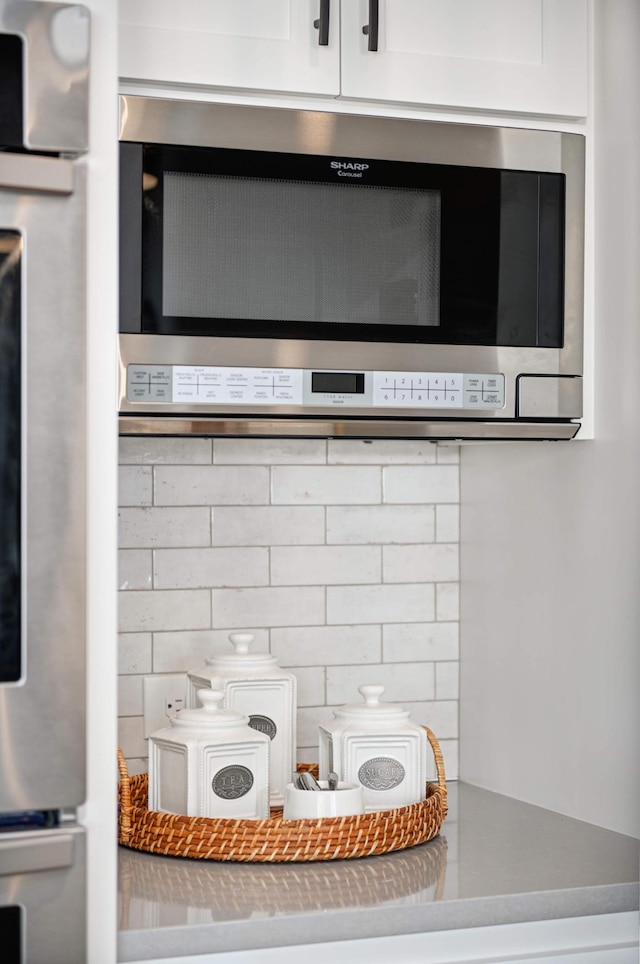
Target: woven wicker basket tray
(276, 840)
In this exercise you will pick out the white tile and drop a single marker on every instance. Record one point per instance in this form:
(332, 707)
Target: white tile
(211, 485)
(135, 485)
(129, 695)
(324, 645)
(325, 485)
(177, 609)
(420, 641)
(324, 565)
(202, 568)
(421, 484)
(431, 563)
(237, 608)
(380, 524)
(140, 528)
(269, 451)
(311, 687)
(134, 653)
(149, 450)
(450, 756)
(403, 682)
(441, 716)
(447, 681)
(309, 719)
(380, 604)
(137, 765)
(448, 454)
(181, 652)
(268, 525)
(447, 523)
(131, 736)
(447, 601)
(134, 569)
(418, 709)
(381, 452)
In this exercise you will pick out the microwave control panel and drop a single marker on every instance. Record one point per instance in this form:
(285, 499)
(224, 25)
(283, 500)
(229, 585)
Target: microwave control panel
(217, 385)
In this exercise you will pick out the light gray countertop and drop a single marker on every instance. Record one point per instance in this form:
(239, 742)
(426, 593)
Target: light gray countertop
(497, 861)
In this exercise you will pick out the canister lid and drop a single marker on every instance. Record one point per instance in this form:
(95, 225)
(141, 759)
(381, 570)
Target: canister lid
(210, 714)
(372, 710)
(241, 657)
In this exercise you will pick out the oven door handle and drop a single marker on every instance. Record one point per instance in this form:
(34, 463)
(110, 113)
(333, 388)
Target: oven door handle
(20, 854)
(30, 172)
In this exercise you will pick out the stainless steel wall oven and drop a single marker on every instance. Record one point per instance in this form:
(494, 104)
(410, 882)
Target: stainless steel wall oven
(301, 273)
(44, 69)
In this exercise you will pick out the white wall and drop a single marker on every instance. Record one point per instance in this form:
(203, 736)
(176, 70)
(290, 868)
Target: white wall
(550, 533)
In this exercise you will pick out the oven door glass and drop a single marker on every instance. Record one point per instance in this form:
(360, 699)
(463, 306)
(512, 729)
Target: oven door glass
(10, 457)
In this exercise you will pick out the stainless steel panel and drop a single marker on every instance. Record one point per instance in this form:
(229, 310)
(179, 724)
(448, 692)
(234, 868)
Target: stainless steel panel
(52, 898)
(42, 718)
(157, 120)
(56, 40)
(549, 397)
(340, 356)
(23, 853)
(444, 430)
(25, 172)
(571, 357)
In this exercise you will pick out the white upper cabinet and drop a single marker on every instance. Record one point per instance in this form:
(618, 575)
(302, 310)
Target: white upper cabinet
(252, 44)
(502, 55)
(527, 56)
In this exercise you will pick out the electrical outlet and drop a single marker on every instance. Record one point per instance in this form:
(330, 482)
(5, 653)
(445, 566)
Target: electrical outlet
(162, 695)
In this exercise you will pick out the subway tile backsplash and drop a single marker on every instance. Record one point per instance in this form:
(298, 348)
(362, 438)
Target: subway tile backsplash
(340, 556)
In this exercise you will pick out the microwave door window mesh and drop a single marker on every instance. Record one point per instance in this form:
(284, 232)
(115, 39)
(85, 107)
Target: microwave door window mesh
(10, 447)
(274, 250)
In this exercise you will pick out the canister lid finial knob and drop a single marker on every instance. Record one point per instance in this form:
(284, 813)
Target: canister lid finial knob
(211, 700)
(371, 693)
(241, 642)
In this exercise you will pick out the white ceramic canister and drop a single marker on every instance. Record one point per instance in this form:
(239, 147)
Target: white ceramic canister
(377, 745)
(209, 763)
(255, 685)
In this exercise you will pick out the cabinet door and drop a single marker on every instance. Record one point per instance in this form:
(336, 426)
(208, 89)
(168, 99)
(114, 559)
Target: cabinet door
(503, 55)
(250, 44)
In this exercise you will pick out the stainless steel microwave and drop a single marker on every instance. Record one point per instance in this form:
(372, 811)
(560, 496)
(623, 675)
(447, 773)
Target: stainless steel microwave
(293, 272)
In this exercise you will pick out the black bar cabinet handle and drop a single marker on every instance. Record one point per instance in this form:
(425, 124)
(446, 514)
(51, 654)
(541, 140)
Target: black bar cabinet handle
(322, 24)
(370, 29)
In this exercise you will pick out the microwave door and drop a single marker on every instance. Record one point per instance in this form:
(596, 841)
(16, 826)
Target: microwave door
(42, 617)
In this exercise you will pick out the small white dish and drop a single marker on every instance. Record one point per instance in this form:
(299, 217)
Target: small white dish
(346, 801)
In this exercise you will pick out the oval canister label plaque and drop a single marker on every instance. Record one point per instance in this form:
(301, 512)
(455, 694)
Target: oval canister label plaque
(264, 724)
(381, 773)
(232, 782)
